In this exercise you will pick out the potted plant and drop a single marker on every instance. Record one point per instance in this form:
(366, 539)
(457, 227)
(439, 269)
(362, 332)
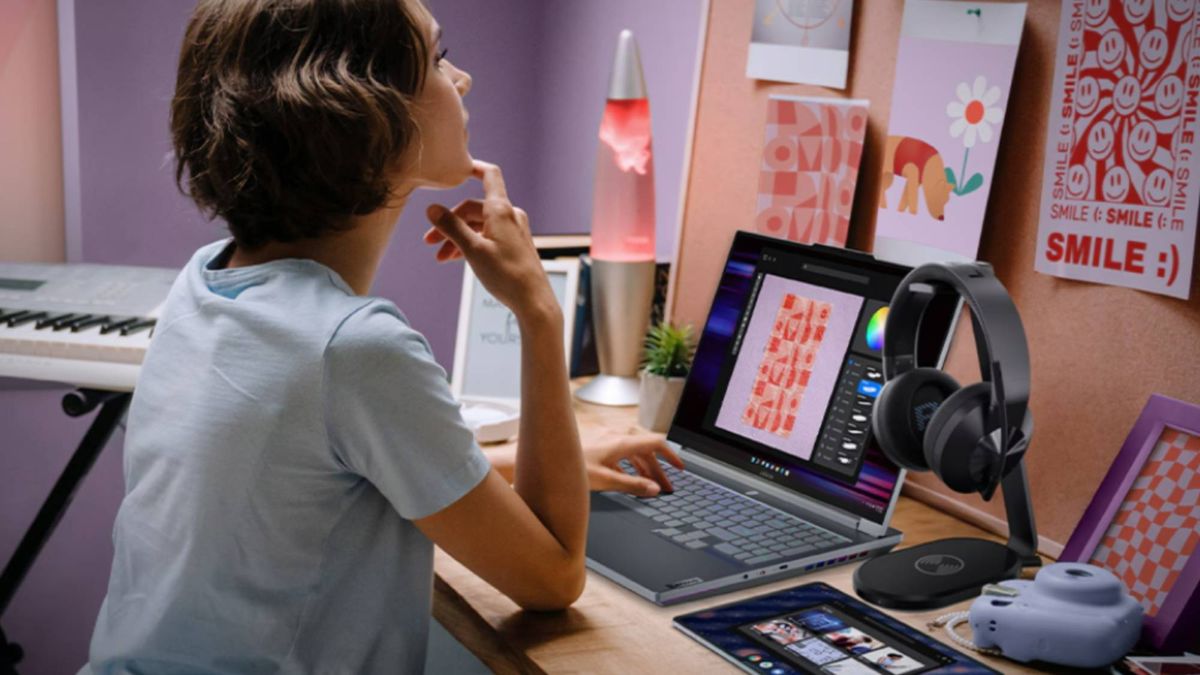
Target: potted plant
(668, 357)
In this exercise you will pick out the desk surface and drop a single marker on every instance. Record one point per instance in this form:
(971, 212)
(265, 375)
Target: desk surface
(611, 630)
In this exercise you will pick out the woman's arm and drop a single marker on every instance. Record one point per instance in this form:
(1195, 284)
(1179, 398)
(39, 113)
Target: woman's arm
(526, 540)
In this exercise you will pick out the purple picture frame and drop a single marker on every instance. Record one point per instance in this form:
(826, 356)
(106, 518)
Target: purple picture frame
(1176, 621)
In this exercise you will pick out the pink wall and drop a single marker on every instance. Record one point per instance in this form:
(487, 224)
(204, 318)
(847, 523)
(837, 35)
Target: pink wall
(31, 206)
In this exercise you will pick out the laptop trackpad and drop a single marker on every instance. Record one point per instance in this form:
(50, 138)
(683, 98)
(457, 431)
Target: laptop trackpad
(622, 541)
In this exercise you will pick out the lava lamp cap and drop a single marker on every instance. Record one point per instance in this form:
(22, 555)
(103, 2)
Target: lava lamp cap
(627, 81)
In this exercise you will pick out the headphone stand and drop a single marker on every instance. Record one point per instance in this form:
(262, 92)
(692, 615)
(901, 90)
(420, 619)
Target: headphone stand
(945, 571)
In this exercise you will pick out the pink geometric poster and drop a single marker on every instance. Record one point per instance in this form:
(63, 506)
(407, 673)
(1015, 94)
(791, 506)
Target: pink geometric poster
(786, 365)
(810, 167)
(1119, 193)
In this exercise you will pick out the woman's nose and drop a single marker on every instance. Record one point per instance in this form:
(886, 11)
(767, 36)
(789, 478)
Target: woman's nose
(463, 82)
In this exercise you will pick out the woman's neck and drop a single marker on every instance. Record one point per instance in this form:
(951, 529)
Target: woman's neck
(354, 253)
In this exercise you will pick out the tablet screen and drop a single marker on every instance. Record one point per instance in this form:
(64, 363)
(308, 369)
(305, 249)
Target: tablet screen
(827, 639)
(816, 628)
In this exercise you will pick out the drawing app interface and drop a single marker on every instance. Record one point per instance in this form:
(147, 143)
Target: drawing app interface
(804, 367)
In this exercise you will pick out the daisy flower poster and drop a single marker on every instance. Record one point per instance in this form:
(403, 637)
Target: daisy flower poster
(1119, 189)
(954, 70)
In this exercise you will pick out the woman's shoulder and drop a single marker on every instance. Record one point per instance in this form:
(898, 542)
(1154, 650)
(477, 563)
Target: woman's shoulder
(377, 329)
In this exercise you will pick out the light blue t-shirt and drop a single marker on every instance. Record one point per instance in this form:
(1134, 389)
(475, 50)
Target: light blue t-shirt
(283, 435)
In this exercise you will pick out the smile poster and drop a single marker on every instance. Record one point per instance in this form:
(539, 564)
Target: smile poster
(1119, 198)
(954, 71)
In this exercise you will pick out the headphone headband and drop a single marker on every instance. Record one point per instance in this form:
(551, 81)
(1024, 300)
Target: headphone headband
(1003, 359)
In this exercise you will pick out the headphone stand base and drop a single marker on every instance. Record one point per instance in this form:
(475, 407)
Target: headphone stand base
(943, 572)
(935, 574)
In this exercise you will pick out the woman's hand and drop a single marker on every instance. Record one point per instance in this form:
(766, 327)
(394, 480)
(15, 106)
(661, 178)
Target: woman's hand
(494, 237)
(604, 472)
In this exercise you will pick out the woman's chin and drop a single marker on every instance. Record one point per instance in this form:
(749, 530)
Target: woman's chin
(455, 177)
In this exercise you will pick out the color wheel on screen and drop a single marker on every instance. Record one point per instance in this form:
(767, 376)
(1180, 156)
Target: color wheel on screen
(875, 328)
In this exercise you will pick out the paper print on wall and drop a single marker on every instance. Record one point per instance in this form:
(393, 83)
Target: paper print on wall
(1119, 200)
(809, 168)
(954, 71)
(802, 41)
(786, 365)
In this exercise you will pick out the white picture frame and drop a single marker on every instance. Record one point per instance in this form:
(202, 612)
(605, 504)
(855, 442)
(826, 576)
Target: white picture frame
(487, 347)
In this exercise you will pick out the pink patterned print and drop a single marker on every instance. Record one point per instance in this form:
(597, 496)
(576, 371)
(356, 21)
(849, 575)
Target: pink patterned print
(787, 364)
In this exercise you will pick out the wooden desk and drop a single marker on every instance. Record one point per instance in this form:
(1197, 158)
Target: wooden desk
(611, 630)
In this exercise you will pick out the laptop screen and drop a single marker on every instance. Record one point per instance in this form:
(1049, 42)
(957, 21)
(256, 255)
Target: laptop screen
(788, 368)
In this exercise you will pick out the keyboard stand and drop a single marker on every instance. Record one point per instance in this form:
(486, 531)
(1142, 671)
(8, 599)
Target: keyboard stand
(75, 404)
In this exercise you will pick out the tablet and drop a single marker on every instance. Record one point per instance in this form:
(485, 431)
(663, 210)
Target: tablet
(816, 628)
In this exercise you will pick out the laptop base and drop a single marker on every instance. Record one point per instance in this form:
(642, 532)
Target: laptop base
(622, 548)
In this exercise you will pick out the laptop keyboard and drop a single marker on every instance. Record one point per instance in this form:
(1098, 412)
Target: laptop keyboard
(701, 514)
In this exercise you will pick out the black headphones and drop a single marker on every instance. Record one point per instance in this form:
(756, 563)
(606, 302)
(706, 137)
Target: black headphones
(970, 437)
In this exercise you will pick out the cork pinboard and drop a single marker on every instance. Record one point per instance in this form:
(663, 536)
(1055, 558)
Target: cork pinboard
(1097, 352)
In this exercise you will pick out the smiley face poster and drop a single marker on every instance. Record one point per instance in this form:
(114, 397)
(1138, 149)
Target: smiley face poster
(1119, 197)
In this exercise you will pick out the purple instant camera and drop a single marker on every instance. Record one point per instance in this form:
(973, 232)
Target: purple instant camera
(1070, 614)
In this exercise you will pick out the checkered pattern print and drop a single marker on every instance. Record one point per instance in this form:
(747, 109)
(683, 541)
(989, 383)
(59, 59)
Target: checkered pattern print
(787, 364)
(809, 169)
(1158, 526)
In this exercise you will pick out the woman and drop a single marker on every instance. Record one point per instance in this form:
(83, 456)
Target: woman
(293, 451)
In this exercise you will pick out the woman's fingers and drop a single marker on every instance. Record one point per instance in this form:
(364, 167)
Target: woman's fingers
(447, 252)
(492, 178)
(639, 464)
(643, 451)
(470, 210)
(453, 228)
(654, 471)
(432, 236)
(668, 454)
(604, 478)
(640, 454)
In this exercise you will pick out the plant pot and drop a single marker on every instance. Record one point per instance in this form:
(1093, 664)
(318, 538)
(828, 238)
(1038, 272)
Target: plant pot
(658, 397)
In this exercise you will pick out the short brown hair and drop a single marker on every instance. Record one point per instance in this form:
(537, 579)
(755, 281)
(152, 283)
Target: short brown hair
(289, 115)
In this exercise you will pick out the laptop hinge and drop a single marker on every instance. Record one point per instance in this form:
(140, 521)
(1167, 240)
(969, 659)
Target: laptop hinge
(695, 459)
(874, 529)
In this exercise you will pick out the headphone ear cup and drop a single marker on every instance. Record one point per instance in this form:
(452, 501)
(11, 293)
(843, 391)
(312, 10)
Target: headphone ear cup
(899, 418)
(956, 444)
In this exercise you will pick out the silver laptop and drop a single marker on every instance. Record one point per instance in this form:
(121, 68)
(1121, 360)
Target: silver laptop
(782, 474)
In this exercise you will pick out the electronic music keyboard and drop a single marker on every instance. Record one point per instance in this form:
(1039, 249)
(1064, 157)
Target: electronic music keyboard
(82, 324)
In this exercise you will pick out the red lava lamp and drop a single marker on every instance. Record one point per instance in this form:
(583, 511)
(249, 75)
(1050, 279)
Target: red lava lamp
(622, 232)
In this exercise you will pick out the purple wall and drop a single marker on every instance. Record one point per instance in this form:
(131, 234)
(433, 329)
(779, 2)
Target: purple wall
(540, 69)
(133, 213)
(53, 613)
